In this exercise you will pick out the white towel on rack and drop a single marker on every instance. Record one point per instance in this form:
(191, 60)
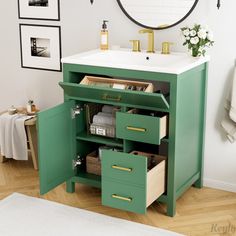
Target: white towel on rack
(13, 140)
(229, 121)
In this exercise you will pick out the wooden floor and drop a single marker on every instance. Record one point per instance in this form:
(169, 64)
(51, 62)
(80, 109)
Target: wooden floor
(199, 212)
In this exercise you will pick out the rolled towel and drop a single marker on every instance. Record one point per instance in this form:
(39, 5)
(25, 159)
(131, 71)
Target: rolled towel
(104, 119)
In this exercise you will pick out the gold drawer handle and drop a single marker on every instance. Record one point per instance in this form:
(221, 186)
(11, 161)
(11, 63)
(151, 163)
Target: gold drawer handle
(108, 97)
(122, 168)
(127, 199)
(136, 129)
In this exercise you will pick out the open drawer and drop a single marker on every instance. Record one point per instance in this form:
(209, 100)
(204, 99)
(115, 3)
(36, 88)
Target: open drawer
(141, 128)
(155, 101)
(128, 184)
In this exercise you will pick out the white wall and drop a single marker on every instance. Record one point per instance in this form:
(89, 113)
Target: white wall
(81, 24)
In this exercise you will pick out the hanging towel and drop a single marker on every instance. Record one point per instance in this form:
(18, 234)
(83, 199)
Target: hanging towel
(232, 110)
(6, 130)
(13, 140)
(229, 121)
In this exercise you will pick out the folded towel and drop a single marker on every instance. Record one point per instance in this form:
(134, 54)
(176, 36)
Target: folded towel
(107, 109)
(106, 119)
(13, 140)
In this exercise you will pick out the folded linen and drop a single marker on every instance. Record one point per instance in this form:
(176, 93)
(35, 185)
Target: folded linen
(103, 118)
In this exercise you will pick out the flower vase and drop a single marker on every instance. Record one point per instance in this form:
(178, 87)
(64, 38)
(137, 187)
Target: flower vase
(195, 52)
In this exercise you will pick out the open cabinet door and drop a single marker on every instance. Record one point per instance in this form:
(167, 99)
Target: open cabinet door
(57, 145)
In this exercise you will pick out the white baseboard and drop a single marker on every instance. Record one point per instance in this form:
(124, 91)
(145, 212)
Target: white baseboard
(212, 183)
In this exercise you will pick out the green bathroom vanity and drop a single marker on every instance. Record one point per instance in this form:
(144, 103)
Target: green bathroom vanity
(182, 83)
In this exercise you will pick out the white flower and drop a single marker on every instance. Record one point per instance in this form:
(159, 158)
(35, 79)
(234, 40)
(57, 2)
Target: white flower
(210, 36)
(202, 34)
(194, 40)
(188, 38)
(186, 32)
(193, 33)
(205, 27)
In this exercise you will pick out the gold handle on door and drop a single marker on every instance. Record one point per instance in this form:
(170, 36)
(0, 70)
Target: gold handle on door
(122, 168)
(110, 98)
(136, 129)
(127, 199)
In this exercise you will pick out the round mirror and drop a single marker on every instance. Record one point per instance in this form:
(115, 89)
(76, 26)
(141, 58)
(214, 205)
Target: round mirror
(157, 14)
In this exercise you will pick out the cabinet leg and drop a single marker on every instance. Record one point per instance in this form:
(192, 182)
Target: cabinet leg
(70, 186)
(198, 183)
(171, 206)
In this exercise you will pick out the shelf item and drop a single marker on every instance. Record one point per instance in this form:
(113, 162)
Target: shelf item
(93, 164)
(103, 130)
(141, 128)
(126, 182)
(117, 84)
(101, 119)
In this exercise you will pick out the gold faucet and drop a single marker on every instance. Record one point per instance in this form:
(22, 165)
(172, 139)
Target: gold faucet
(150, 39)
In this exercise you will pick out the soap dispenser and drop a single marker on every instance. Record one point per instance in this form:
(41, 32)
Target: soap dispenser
(104, 36)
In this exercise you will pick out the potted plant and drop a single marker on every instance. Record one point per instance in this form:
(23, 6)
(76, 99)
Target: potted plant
(197, 38)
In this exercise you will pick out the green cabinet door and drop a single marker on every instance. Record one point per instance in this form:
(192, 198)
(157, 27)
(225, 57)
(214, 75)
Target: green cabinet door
(57, 145)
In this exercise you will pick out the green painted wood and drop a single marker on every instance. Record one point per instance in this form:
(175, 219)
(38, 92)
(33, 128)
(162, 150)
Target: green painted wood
(100, 139)
(137, 164)
(187, 185)
(115, 96)
(150, 124)
(88, 179)
(136, 194)
(74, 72)
(56, 145)
(189, 119)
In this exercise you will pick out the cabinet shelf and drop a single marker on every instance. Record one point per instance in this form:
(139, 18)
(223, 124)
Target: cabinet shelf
(99, 139)
(89, 179)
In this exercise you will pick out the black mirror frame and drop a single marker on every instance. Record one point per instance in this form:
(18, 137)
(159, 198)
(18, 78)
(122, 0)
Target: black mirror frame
(157, 28)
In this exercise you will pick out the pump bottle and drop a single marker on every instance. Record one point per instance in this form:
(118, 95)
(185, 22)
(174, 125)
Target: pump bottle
(104, 36)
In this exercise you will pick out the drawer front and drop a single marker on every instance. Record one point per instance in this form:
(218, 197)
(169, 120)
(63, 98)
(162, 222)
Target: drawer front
(124, 167)
(124, 197)
(140, 128)
(114, 96)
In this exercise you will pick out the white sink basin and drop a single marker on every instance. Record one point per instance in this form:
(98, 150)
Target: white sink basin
(174, 63)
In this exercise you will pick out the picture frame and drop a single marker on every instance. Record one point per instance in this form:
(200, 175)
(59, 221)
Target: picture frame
(40, 47)
(39, 9)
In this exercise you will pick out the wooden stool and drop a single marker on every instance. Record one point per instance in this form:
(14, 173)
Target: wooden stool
(31, 133)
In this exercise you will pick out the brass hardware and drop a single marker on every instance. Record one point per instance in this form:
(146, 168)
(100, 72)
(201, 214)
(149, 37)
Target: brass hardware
(76, 111)
(122, 168)
(128, 199)
(135, 45)
(150, 39)
(108, 97)
(136, 129)
(166, 47)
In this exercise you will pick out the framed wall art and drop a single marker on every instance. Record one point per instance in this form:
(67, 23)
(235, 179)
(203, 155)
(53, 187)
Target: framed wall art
(39, 9)
(40, 47)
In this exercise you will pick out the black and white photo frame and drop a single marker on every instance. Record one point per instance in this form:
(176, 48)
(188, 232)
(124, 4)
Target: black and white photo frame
(40, 47)
(39, 9)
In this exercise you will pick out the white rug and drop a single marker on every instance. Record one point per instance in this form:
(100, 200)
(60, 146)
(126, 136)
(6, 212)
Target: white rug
(21, 215)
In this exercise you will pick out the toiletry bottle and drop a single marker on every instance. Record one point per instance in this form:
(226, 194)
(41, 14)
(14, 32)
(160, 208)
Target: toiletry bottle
(29, 106)
(104, 36)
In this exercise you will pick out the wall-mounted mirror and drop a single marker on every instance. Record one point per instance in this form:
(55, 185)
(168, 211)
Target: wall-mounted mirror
(157, 14)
